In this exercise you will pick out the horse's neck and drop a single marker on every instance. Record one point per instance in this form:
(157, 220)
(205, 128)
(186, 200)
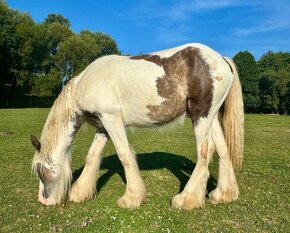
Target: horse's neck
(61, 126)
(65, 134)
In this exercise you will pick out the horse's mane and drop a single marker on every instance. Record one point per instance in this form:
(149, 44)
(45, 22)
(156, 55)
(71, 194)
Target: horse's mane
(62, 112)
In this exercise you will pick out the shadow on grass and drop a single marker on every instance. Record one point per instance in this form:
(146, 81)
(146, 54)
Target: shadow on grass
(179, 166)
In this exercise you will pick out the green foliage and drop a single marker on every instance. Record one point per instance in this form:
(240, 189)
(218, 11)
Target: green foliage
(9, 57)
(248, 72)
(266, 82)
(269, 92)
(36, 59)
(46, 86)
(79, 50)
(58, 19)
(166, 160)
(274, 61)
(275, 82)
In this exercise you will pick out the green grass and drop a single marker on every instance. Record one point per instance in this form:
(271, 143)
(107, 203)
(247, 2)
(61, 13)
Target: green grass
(166, 159)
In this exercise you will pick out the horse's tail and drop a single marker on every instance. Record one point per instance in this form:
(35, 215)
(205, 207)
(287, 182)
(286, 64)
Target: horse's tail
(233, 119)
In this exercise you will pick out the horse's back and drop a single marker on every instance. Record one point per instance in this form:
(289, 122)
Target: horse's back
(155, 88)
(118, 83)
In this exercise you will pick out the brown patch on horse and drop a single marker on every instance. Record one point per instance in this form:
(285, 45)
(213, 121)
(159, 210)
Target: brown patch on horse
(93, 119)
(45, 174)
(186, 86)
(200, 86)
(218, 78)
(149, 57)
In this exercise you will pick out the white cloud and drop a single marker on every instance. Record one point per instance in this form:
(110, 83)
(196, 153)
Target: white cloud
(177, 21)
(169, 34)
(263, 27)
(186, 8)
(275, 17)
(177, 10)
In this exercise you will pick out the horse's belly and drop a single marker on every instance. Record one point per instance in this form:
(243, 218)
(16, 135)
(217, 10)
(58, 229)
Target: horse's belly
(151, 115)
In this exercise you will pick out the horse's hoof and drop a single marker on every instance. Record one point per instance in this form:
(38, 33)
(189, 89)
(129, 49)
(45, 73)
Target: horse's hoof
(131, 201)
(223, 196)
(80, 194)
(187, 201)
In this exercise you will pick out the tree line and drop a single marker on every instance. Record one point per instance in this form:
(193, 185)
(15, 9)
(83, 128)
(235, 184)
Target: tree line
(266, 82)
(37, 60)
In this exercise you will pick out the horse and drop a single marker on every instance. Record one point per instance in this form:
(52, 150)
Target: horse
(149, 90)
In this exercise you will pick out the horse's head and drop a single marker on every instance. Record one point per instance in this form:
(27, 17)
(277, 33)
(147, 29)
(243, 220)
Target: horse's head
(54, 178)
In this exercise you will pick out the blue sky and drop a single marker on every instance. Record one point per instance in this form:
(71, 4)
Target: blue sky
(227, 26)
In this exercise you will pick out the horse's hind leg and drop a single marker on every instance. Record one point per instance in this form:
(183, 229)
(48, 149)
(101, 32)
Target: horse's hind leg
(193, 195)
(85, 186)
(227, 187)
(135, 193)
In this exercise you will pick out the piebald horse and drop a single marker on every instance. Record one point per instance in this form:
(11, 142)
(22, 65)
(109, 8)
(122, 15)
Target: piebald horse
(116, 92)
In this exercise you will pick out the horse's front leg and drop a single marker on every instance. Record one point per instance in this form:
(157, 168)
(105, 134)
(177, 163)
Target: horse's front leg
(135, 193)
(85, 186)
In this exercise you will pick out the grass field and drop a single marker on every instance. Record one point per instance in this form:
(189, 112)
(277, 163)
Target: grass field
(166, 160)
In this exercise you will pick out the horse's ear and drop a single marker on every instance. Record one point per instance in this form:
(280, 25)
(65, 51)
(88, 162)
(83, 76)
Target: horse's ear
(35, 143)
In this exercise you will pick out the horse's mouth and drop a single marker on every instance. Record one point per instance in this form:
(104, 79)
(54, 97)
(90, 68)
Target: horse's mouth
(43, 196)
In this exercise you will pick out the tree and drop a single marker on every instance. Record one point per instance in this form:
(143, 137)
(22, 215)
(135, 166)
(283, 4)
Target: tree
(57, 18)
(46, 86)
(283, 87)
(248, 72)
(48, 82)
(275, 82)
(274, 61)
(10, 55)
(56, 33)
(80, 50)
(269, 93)
(37, 58)
(106, 44)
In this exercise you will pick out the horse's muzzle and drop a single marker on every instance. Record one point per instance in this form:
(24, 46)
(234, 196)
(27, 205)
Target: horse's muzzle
(43, 196)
